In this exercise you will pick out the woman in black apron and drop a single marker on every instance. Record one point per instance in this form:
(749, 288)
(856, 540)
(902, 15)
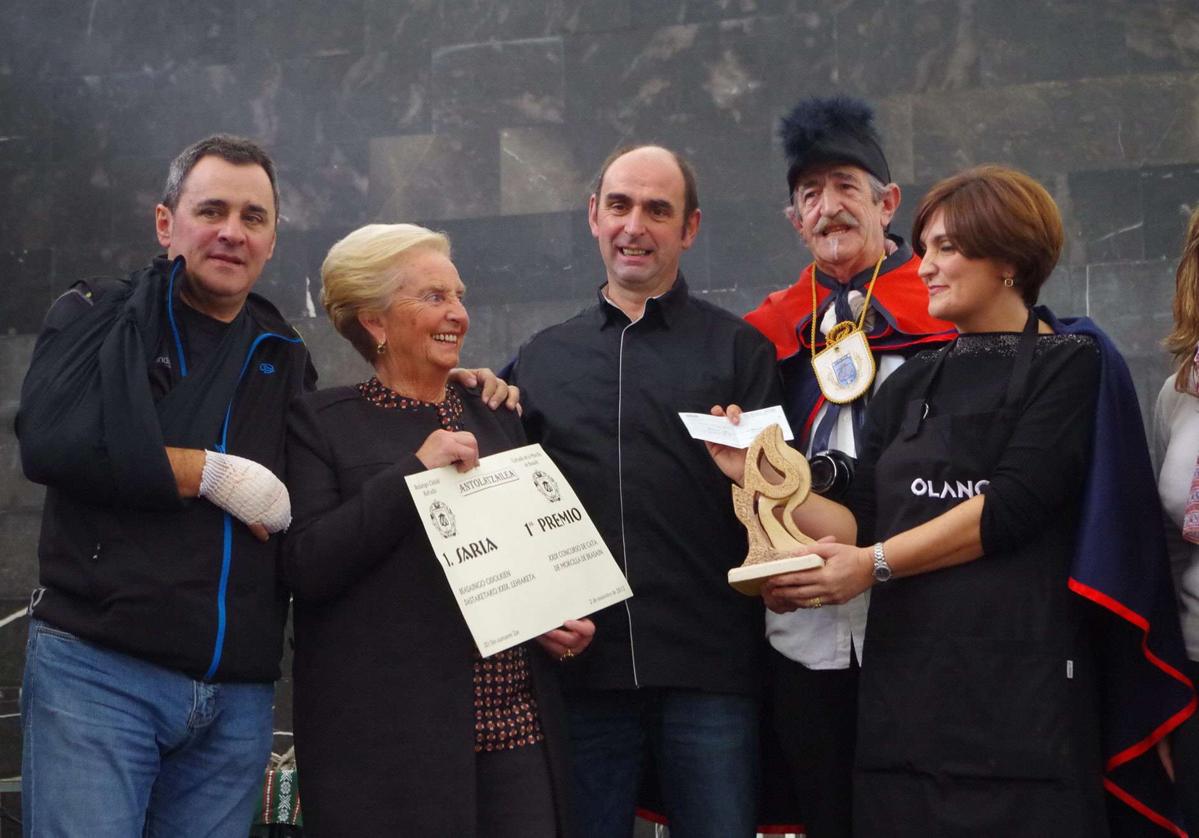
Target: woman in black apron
(977, 713)
(978, 704)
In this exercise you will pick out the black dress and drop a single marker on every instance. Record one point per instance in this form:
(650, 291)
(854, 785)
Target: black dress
(977, 712)
(384, 693)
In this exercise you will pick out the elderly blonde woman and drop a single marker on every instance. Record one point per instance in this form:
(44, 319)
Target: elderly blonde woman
(401, 728)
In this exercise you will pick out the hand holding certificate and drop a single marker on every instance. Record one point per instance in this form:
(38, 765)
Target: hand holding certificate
(517, 547)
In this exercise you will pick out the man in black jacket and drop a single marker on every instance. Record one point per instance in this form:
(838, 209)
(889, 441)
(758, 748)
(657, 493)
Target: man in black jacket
(153, 411)
(674, 670)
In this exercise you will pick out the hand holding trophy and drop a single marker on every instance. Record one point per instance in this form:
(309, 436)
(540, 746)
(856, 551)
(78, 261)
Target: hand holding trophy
(776, 477)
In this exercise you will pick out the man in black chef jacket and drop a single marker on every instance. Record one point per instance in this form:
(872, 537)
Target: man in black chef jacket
(674, 671)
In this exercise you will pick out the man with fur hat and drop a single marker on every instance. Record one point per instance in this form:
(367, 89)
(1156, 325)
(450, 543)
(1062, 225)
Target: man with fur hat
(849, 321)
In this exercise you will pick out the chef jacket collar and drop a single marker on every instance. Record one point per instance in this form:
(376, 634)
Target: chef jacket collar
(663, 308)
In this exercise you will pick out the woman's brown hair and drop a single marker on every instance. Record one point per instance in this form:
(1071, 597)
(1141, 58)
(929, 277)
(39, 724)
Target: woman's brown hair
(994, 212)
(1182, 341)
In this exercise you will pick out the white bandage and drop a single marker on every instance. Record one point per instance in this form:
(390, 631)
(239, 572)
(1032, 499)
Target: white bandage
(246, 490)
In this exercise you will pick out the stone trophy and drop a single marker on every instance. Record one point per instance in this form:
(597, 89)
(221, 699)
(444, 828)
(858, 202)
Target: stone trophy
(777, 480)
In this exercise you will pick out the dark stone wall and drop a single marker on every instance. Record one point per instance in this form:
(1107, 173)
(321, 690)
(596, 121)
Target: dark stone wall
(486, 118)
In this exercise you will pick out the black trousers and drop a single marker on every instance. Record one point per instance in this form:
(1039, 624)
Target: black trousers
(815, 718)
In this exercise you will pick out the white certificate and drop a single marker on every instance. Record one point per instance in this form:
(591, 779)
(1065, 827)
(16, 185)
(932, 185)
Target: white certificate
(719, 429)
(519, 550)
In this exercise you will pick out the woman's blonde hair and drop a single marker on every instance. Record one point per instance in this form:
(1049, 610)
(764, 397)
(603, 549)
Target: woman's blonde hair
(1182, 341)
(360, 274)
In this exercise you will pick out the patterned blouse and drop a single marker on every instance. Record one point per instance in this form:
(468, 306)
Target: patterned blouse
(506, 714)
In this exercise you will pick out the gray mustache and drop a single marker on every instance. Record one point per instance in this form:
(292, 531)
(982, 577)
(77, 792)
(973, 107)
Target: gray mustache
(842, 218)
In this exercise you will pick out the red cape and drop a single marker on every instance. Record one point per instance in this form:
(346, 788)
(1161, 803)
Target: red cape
(899, 291)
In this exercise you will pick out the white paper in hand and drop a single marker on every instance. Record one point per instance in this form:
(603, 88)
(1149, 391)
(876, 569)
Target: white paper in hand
(720, 430)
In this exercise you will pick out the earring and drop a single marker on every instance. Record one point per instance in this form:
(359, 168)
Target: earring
(381, 347)
(1008, 282)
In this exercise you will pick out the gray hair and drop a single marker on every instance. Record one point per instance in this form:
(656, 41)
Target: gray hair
(236, 150)
(877, 187)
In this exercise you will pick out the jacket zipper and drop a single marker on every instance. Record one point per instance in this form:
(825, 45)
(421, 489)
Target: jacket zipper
(226, 518)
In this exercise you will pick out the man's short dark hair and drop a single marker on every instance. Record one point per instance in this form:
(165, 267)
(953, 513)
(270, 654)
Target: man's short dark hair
(236, 150)
(690, 190)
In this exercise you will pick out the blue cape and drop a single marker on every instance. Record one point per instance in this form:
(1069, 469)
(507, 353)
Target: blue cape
(1122, 566)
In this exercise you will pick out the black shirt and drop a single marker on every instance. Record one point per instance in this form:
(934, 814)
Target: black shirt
(602, 394)
(200, 336)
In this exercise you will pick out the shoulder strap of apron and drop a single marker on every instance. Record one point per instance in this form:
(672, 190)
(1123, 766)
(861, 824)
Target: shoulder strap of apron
(917, 408)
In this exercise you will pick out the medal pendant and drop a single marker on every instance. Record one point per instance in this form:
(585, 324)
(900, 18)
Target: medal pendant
(845, 367)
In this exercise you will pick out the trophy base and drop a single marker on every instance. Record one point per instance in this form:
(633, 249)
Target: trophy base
(747, 579)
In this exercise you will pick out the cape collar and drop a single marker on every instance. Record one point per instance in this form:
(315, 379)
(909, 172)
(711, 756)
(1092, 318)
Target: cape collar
(903, 252)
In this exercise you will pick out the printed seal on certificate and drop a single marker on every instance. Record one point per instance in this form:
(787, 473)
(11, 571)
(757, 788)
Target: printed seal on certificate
(443, 519)
(845, 367)
(772, 540)
(547, 485)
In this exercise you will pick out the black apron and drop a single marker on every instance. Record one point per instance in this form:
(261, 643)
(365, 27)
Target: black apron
(976, 685)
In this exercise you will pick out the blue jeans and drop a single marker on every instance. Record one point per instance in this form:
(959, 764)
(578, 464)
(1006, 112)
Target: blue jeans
(705, 746)
(115, 746)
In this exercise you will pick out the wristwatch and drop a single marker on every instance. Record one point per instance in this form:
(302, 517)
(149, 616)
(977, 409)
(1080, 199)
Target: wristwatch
(882, 570)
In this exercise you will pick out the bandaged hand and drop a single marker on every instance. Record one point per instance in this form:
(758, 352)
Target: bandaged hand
(248, 491)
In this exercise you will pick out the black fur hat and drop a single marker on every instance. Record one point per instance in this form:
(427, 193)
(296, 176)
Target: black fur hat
(839, 129)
